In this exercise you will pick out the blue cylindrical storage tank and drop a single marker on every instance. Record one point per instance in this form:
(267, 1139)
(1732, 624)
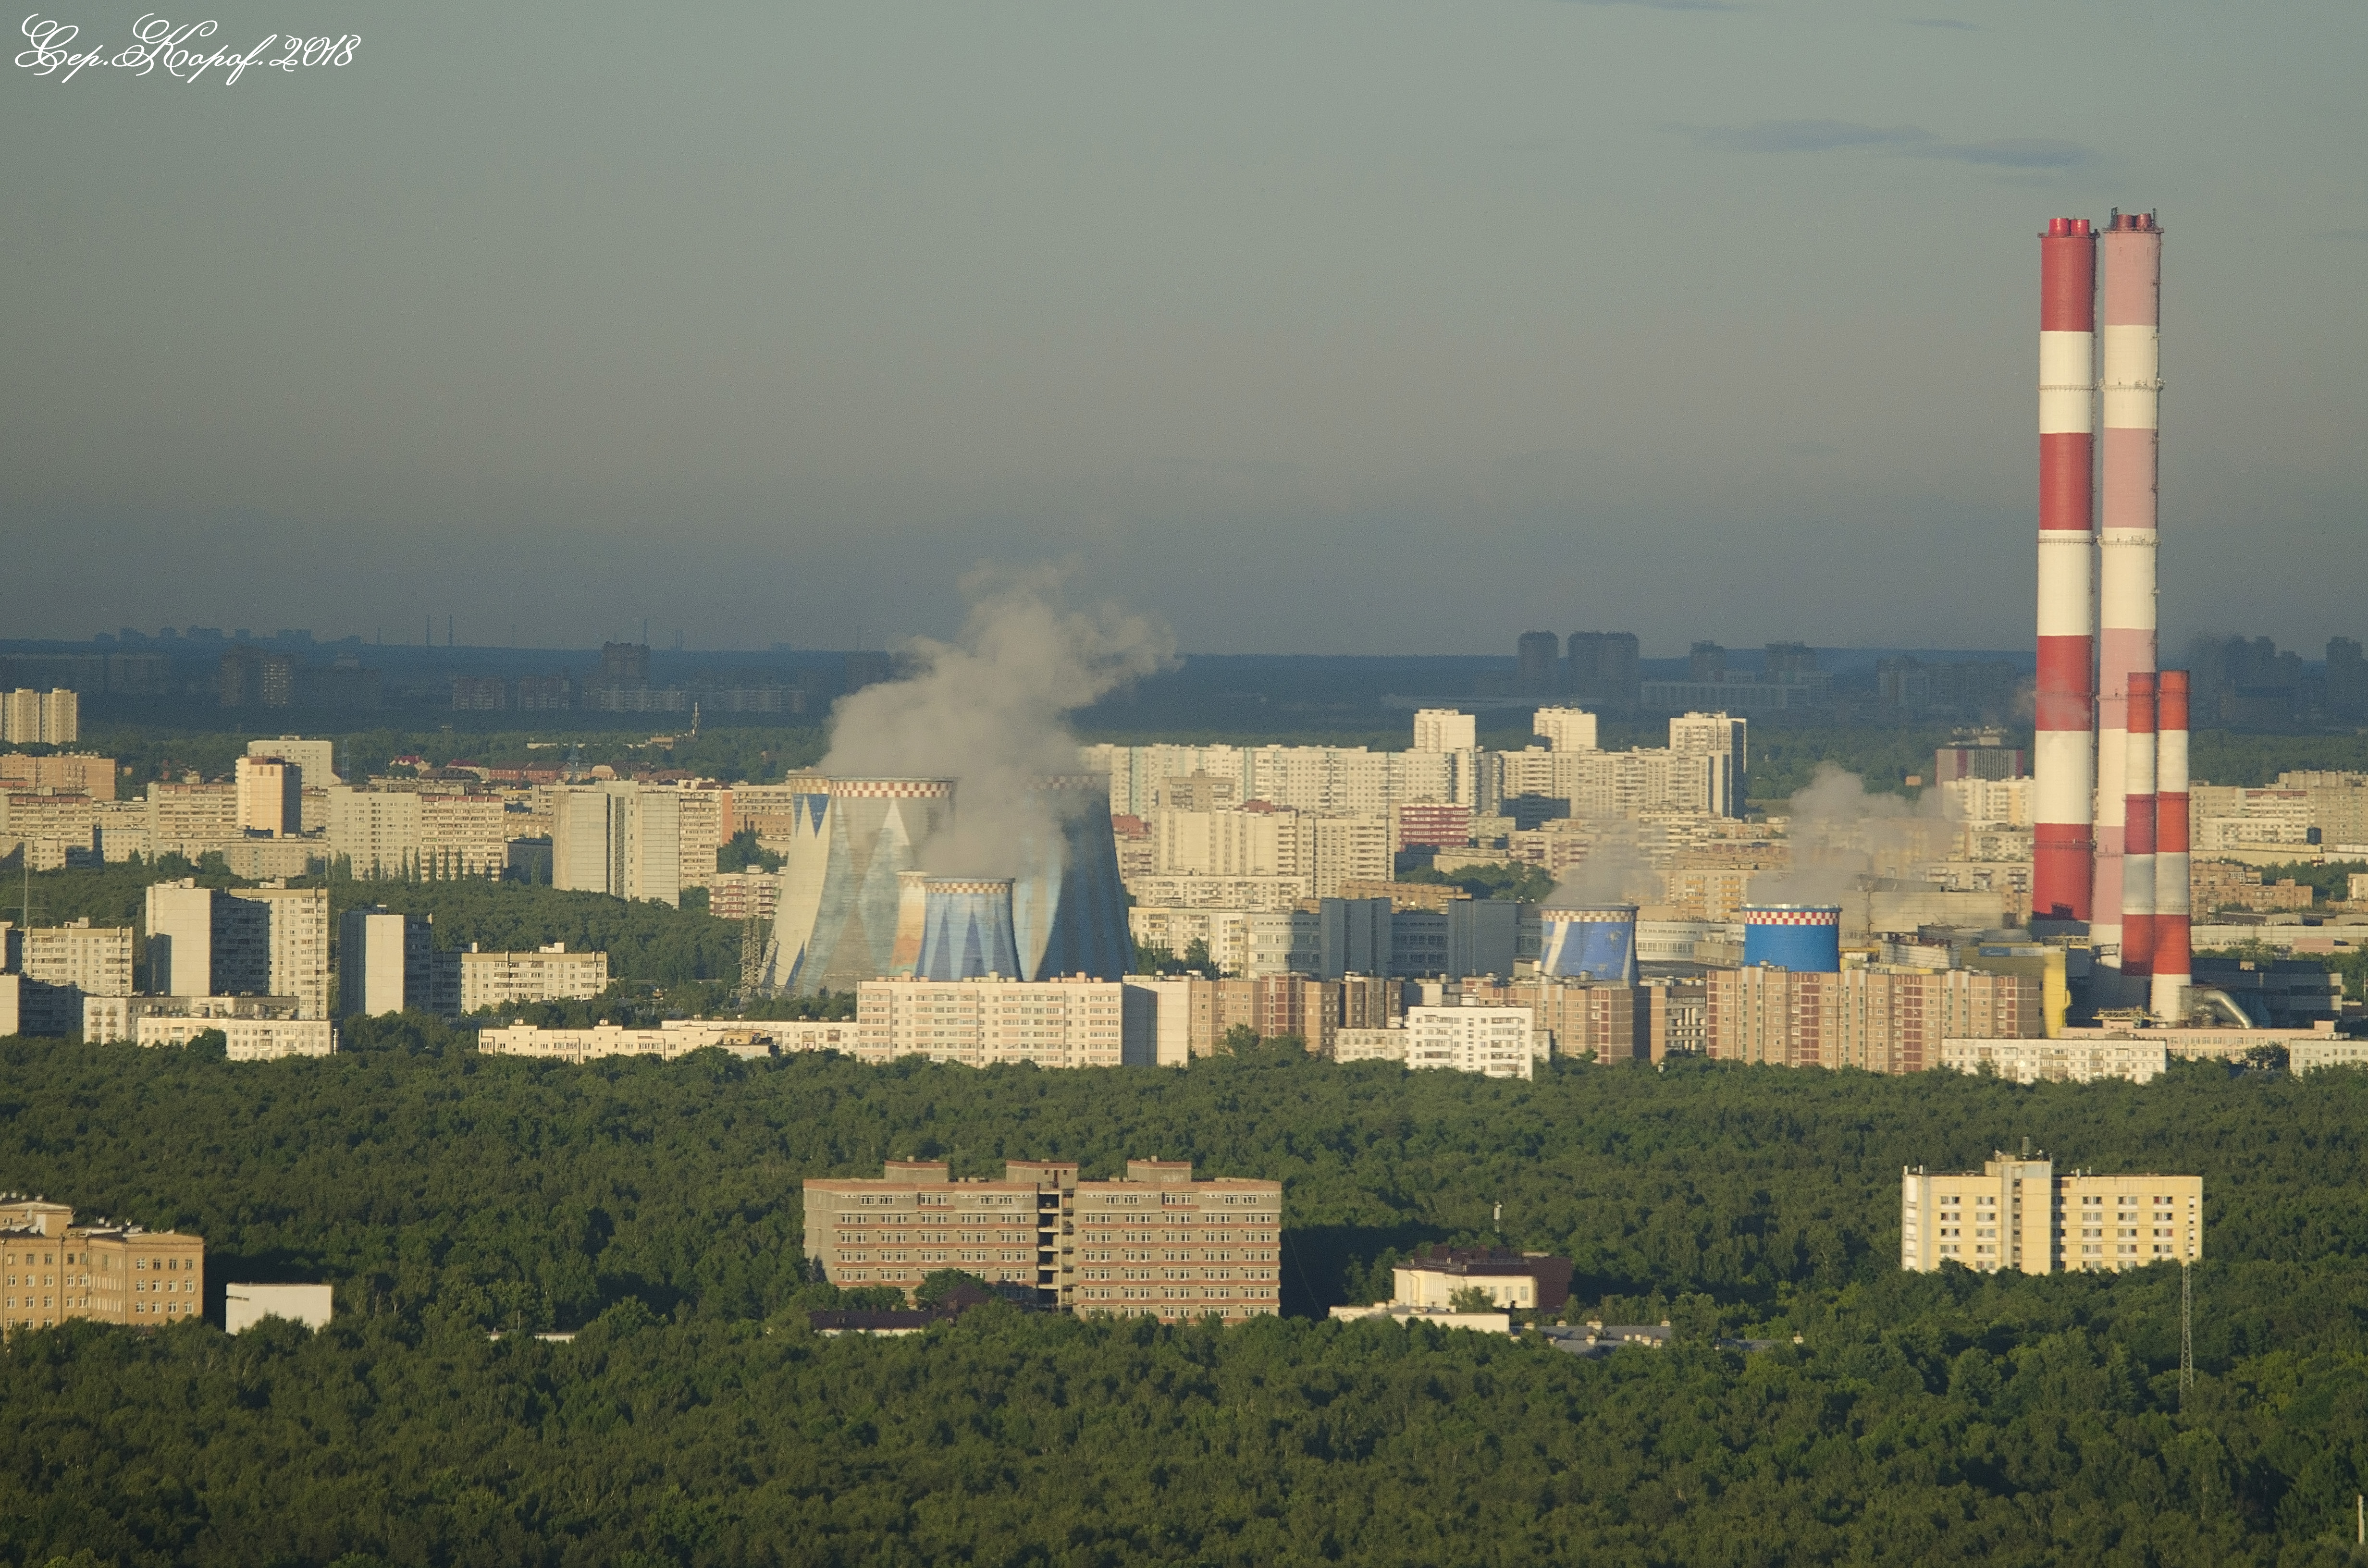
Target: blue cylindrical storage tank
(1589, 942)
(1804, 937)
(966, 929)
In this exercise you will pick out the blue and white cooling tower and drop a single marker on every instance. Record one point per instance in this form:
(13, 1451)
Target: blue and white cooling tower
(1068, 908)
(1589, 942)
(851, 840)
(1804, 937)
(966, 929)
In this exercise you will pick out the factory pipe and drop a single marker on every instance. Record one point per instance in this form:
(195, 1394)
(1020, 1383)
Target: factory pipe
(2129, 313)
(2172, 899)
(2063, 755)
(2138, 845)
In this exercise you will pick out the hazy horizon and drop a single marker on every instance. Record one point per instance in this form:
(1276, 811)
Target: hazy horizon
(1319, 328)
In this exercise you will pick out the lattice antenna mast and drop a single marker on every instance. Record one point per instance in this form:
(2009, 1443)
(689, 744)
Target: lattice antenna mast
(2186, 1333)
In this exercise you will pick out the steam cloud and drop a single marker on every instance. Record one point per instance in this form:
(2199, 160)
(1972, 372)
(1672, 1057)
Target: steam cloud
(1841, 836)
(987, 711)
(1615, 871)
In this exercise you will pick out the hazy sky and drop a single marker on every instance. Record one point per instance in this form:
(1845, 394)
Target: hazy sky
(1361, 327)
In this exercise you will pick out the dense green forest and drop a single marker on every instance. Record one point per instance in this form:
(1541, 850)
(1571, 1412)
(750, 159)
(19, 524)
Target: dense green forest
(695, 1420)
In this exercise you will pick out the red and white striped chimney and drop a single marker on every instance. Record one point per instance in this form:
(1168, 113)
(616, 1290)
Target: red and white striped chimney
(2130, 262)
(2171, 898)
(2063, 753)
(2138, 843)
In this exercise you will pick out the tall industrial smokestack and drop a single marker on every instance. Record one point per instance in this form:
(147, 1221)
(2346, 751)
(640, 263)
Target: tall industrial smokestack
(2129, 307)
(2173, 901)
(2062, 758)
(2138, 843)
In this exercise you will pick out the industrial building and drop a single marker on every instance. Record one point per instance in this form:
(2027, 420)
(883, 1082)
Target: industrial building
(1156, 1244)
(2022, 1214)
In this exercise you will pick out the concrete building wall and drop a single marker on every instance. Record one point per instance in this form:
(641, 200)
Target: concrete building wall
(2022, 1215)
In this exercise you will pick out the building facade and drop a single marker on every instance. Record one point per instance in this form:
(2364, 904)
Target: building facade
(1155, 1244)
(1495, 1042)
(56, 1270)
(981, 1023)
(2020, 1214)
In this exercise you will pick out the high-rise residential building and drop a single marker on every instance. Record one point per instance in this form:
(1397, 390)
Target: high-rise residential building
(1539, 659)
(1722, 737)
(40, 718)
(315, 760)
(386, 963)
(1603, 668)
(1879, 1020)
(95, 961)
(413, 833)
(261, 941)
(1706, 662)
(624, 664)
(271, 796)
(1445, 729)
(621, 839)
(1305, 778)
(744, 895)
(1565, 729)
(2022, 1215)
(1786, 664)
(56, 1271)
(48, 825)
(190, 819)
(1156, 1244)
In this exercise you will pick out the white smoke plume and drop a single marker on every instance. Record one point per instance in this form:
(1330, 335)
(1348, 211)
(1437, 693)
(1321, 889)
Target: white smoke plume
(1842, 836)
(987, 710)
(1615, 871)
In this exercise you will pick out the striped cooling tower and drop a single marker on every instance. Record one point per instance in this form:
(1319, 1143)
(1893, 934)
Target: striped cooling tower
(1068, 909)
(966, 930)
(1589, 942)
(836, 924)
(1804, 937)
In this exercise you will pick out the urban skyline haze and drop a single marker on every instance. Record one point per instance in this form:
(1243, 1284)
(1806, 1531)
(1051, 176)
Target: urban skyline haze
(1317, 328)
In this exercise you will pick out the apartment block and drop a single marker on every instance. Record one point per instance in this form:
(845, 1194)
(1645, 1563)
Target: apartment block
(1491, 1041)
(56, 1270)
(627, 841)
(981, 1023)
(262, 941)
(386, 963)
(674, 1037)
(271, 796)
(1156, 1243)
(1186, 890)
(49, 825)
(744, 895)
(1879, 1020)
(40, 718)
(2022, 1214)
(94, 959)
(1611, 1023)
(70, 773)
(2065, 1061)
(548, 974)
(190, 819)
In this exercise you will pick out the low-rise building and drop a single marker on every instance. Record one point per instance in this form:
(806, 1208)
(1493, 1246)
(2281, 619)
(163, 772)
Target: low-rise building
(244, 1306)
(56, 1270)
(2022, 1214)
(673, 1038)
(548, 974)
(1491, 1041)
(254, 1028)
(2070, 1060)
(1521, 1282)
(1386, 1044)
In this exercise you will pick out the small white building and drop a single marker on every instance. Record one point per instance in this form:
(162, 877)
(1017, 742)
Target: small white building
(243, 1306)
(1491, 1041)
(2324, 1051)
(1370, 1045)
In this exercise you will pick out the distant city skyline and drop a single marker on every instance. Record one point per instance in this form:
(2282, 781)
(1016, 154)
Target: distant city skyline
(1310, 329)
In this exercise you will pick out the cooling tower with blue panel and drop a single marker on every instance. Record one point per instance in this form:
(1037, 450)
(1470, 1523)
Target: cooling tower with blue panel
(1589, 942)
(841, 881)
(1804, 937)
(966, 930)
(1068, 908)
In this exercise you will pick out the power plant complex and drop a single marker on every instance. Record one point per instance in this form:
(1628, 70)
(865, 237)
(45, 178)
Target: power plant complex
(2109, 760)
(857, 903)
